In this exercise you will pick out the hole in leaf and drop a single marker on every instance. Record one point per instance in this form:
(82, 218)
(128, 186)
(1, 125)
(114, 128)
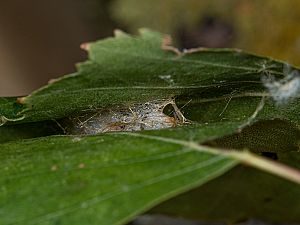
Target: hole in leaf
(268, 199)
(270, 155)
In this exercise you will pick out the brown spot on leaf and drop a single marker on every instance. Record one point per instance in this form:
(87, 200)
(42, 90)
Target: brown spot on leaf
(81, 165)
(54, 168)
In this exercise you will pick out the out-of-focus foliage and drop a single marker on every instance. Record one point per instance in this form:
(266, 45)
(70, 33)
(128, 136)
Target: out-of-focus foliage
(265, 27)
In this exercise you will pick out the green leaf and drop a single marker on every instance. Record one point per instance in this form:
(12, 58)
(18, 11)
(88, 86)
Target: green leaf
(125, 70)
(110, 178)
(104, 179)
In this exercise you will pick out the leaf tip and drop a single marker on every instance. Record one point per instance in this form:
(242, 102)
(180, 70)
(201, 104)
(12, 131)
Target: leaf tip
(21, 100)
(85, 46)
(167, 45)
(120, 33)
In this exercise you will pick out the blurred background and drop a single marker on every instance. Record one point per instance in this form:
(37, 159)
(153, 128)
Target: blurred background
(40, 39)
